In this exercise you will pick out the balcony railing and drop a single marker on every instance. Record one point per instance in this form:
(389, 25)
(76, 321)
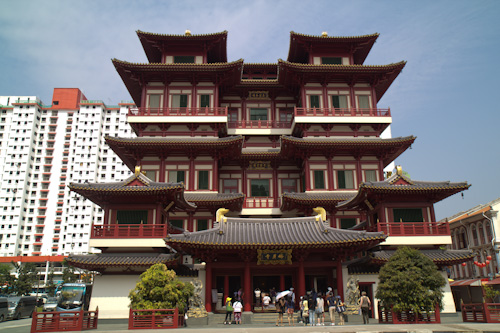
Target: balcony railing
(342, 112)
(256, 124)
(198, 112)
(129, 231)
(413, 228)
(262, 203)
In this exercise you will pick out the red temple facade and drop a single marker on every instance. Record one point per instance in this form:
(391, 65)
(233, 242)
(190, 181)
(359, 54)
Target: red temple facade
(293, 152)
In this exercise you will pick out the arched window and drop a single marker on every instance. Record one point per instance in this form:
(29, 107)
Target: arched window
(480, 231)
(474, 236)
(487, 228)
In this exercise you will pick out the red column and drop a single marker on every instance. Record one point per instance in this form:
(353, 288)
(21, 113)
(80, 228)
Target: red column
(190, 225)
(325, 96)
(307, 175)
(106, 215)
(340, 282)
(381, 169)
(159, 209)
(282, 282)
(191, 173)
(161, 175)
(208, 286)
(226, 288)
(215, 175)
(301, 288)
(275, 185)
(330, 174)
(247, 287)
(358, 172)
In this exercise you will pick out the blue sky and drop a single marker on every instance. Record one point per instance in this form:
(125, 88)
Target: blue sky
(444, 96)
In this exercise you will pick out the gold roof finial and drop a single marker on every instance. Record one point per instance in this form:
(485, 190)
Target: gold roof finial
(137, 170)
(324, 34)
(321, 213)
(219, 215)
(187, 32)
(399, 170)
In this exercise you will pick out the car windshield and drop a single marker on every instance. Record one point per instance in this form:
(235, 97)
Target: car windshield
(13, 301)
(71, 297)
(51, 300)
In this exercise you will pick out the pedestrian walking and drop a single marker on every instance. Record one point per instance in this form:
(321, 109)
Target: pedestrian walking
(320, 310)
(280, 309)
(331, 303)
(312, 307)
(365, 304)
(304, 306)
(290, 309)
(340, 306)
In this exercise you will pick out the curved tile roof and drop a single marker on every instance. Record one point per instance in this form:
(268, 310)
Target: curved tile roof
(335, 38)
(191, 36)
(158, 67)
(439, 257)
(159, 141)
(344, 68)
(100, 261)
(296, 232)
(315, 197)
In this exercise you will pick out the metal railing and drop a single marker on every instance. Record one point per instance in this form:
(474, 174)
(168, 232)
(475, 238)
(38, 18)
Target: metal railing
(155, 319)
(412, 228)
(64, 321)
(481, 313)
(343, 112)
(262, 203)
(176, 112)
(129, 231)
(256, 124)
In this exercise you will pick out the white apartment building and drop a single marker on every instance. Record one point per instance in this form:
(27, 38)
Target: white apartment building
(42, 149)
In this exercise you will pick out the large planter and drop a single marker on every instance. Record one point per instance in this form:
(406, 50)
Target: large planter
(154, 319)
(387, 316)
(481, 313)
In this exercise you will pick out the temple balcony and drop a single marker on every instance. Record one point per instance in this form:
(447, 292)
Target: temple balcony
(120, 235)
(262, 127)
(343, 115)
(261, 206)
(414, 233)
(177, 115)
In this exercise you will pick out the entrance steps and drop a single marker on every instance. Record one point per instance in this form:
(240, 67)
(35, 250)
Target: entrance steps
(269, 318)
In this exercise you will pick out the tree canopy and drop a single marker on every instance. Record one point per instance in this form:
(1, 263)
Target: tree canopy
(159, 288)
(27, 276)
(410, 281)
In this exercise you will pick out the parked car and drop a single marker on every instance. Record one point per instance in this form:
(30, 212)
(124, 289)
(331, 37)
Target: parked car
(21, 306)
(4, 308)
(50, 304)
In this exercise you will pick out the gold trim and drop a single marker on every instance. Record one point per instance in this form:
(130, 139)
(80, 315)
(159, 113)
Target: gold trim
(274, 257)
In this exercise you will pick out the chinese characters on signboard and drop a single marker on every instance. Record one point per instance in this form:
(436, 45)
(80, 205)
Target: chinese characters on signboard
(274, 257)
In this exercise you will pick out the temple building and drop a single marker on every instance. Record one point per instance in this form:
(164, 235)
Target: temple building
(259, 176)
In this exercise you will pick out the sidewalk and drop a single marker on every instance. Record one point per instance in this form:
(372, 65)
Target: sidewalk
(116, 326)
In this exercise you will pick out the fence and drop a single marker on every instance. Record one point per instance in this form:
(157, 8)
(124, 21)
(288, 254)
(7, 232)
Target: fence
(155, 319)
(388, 316)
(481, 313)
(64, 321)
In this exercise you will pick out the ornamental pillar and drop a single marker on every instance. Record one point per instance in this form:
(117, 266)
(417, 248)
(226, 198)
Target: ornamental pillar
(247, 287)
(226, 289)
(301, 288)
(340, 282)
(161, 175)
(208, 286)
(215, 175)
(191, 173)
(307, 175)
(330, 173)
(359, 173)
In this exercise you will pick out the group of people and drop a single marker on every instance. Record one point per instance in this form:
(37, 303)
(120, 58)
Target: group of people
(314, 305)
(233, 307)
(312, 308)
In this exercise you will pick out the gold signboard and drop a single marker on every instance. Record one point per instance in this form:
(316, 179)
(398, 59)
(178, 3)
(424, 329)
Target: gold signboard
(274, 257)
(259, 165)
(258, 94)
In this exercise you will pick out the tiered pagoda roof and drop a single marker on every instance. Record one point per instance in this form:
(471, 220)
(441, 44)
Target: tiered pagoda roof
(400, 188)
(135, 75)
(380, 76)
(326, 199)
(249, 233)
(214, 44)
(389, 149)
(103, 261)
(136, 189)
(301, 45)
(130, 150)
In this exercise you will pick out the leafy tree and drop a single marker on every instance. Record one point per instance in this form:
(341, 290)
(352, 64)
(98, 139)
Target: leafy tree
(410, 281)
(6, 278)
(27, 276)
(50, 286)
(159, 288)
(68, 274)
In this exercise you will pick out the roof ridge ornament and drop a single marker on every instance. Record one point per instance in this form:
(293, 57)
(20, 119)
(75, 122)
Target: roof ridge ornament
(187, 32)
(137, 170)
(321, 213)
(220, 215)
